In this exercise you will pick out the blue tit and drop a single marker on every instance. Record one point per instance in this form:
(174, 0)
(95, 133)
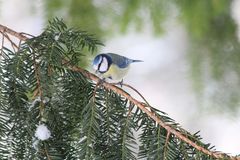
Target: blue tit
(112, 66)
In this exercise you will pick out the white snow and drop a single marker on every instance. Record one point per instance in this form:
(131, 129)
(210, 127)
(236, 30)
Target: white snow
(33, 103)
(37, 99)
(35, 144)
(42, 132)
(56, 37)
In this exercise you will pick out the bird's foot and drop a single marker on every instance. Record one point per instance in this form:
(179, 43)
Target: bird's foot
(100, 82)
(120, 83)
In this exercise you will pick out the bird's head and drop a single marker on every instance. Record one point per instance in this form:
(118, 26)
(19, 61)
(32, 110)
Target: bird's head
(101, 63)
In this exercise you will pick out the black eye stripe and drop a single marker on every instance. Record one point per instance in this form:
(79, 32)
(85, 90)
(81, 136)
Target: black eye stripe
(99, 65)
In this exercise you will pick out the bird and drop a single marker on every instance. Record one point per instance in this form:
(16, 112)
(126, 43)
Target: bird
(112, 66)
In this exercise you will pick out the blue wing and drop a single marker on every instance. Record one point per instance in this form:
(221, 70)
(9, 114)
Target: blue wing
(121, 61)
(124, 63)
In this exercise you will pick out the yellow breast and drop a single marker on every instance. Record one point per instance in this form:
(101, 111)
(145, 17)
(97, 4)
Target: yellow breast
(115, 72)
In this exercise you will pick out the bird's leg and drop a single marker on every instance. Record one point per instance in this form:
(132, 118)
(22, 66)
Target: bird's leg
(100, 82)
(120, 83)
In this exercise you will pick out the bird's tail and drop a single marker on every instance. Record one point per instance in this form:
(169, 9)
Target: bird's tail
(136, 61)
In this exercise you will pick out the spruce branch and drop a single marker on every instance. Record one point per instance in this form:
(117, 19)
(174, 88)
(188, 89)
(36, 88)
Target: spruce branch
(141, 106)
(38, 92)
(171, 131)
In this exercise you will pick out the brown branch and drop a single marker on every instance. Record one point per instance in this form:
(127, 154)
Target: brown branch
(14, 46)
(150, 114)
(46, 152)
(39, 86)
(19, 44)
(3, 38)
(140, 105)
(26, 34)
(4, 29)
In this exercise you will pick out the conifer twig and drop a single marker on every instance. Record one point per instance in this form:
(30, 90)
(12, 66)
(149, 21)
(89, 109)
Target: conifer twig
(46, 152)
(166, 145)
(135, 90)
(139, 104)
(14, 46)
(2, 44)
(39, 86)
(12, 32)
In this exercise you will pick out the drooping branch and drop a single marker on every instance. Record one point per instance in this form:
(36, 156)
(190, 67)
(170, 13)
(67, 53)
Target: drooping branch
(143, 107)
(5, 29)
(139, 104)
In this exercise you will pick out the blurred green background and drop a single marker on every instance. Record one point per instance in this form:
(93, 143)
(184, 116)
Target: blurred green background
(211, 54)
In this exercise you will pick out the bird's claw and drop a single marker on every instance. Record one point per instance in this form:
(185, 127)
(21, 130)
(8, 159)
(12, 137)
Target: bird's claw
(101, 81)
(120, 83)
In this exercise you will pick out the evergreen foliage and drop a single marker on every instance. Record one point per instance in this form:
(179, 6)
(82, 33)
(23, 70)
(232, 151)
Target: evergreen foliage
(85, 121)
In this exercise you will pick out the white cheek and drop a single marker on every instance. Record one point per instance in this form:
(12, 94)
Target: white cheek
(104, 65)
